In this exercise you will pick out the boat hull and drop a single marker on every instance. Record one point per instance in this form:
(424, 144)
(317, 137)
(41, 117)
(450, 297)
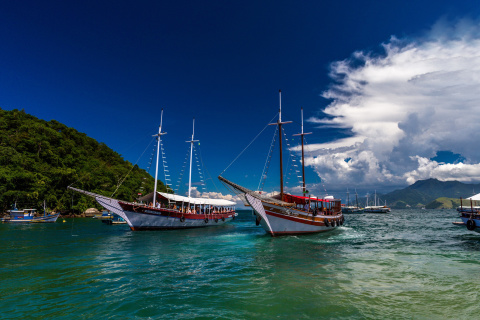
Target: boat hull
(352, 210)
(278, 220)
(141, 218)
(471, 223)
(44, 219)
(377, 210)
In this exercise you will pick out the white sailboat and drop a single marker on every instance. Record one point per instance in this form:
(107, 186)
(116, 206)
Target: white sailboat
(376, 208)
(288, 214)
(169, 211)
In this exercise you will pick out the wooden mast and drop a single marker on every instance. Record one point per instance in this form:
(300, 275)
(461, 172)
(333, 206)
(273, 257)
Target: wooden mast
(160, 133)
(303, 155)
(279, 124)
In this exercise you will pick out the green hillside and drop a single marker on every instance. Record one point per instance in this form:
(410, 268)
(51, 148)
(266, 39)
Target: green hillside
(445, 203)
(39, 159)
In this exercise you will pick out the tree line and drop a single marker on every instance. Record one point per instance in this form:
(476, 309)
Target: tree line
(39, 159)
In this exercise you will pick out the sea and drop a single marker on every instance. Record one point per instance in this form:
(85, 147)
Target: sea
(409, 264)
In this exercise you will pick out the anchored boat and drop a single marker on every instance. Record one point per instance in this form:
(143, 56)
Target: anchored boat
(352, 209)
(163, 211)
(470, 213)
(29, 216)
(287, 214)
(376, 208)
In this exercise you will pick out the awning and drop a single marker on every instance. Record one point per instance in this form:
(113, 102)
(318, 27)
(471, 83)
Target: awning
(303, 200)
(177, 198)
(475, 197)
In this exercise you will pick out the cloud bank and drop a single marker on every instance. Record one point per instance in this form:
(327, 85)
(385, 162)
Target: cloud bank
(418, 97)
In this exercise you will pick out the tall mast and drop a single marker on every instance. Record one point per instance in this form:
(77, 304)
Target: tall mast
(279, 124)
(160, 133)
(303, 156)
(191, 153)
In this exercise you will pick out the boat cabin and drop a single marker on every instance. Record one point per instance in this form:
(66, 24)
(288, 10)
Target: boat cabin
(326, 206)
(25, 214)
(188, 205)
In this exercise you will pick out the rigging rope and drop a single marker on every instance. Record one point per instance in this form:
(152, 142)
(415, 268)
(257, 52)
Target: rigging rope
(133, 166)
(206, 169)
(263, 177)
(249, 144)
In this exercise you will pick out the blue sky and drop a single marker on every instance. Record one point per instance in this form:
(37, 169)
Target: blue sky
(107, 68)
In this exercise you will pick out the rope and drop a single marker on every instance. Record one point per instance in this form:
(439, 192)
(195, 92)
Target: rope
(249, 144)
(133, 166)
(267, 161)
(203, 166)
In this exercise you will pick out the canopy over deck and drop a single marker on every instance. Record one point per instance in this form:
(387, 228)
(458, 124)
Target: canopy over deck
(177, 198)
(475, 197)
(303, 200)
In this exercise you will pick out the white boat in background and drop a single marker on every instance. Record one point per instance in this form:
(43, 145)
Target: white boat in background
(470, 213)
(168, 211)
(376, 208)
(287, 214)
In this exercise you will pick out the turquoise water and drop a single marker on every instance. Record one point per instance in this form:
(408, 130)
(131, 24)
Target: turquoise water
(406, 265)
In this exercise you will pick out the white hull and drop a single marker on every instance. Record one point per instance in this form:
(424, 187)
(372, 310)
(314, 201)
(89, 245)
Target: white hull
(278, 220)
(162, 219)
(377, 209)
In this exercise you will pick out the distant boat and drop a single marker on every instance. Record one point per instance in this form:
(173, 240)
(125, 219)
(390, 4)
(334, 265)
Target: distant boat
(470, 213)
(352, 209)
(112, 218)
(376, 208)
(287, 214)
(170, 211)
(28, 216)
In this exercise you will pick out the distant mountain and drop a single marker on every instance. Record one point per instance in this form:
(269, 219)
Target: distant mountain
(39, 159)
(423, 192)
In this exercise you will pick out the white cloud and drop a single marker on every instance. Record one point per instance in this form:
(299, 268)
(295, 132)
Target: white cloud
(419, 97)
(195, 193)
(444, 171)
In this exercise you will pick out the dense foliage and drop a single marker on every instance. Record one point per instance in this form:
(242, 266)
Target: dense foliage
(39, 159)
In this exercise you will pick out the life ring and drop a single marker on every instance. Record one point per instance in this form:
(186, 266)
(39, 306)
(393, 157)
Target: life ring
(223, 219)
(216, 220)
(182, 219)
(471, 225)
(325, 221)
(206, 220)
(333, 223)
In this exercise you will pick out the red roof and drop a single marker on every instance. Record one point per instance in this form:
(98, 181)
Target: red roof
(301, 200)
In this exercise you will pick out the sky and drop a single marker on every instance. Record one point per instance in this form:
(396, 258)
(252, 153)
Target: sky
(390, 90)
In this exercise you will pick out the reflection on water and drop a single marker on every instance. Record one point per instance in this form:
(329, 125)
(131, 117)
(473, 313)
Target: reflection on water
(408, 264)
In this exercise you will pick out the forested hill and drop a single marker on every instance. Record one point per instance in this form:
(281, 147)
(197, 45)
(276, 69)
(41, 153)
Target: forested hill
(39, 159)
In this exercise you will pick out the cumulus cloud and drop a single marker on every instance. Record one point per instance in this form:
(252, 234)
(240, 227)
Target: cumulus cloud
(195, 193)
(418, 97)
